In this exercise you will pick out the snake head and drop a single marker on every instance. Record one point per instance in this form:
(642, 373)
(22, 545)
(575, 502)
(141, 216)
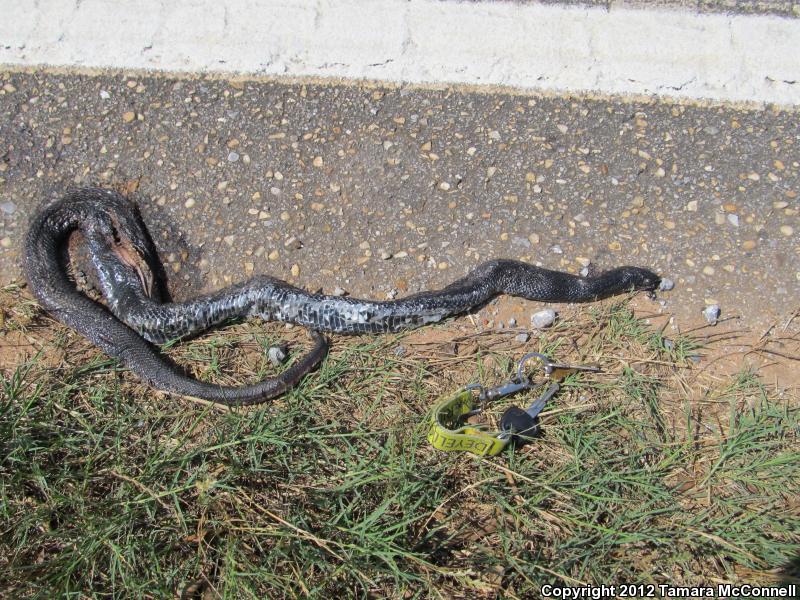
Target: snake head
(640, 279)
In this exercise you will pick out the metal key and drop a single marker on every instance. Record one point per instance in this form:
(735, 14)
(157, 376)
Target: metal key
(525, 422)
(548, 366)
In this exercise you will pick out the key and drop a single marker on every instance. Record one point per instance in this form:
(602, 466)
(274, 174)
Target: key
(550, 367)
(590, 368)
(520, 422)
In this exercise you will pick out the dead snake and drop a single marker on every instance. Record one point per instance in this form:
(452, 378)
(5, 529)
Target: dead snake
(118, 245)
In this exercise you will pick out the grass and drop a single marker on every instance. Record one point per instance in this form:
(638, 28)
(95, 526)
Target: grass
(646, 473)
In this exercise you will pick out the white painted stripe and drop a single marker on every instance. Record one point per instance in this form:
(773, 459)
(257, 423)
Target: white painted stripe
(741, 58)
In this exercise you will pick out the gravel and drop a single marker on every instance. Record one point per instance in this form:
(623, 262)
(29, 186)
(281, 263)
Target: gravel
(543, 319)
(277, 355)
(711, 313)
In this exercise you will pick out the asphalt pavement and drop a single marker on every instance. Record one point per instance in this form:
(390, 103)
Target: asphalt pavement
(384, 191)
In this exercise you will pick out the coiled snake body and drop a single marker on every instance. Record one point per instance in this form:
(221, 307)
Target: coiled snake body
(118, 244)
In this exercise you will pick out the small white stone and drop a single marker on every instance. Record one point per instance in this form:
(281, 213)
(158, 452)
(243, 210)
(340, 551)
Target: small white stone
(512, 322)
(666, 284)
(712, 313)
(277, 355)
(339, 291)
(104, 95)
(543, 318)
(733, 219)
(522, 337)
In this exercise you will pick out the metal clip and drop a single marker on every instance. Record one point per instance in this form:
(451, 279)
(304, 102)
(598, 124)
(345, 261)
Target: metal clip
(506, 389)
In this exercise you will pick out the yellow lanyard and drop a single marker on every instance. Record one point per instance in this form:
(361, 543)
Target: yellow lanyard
(448, 431)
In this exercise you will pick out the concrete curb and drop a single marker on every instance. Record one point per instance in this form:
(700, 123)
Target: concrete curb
(679, 54)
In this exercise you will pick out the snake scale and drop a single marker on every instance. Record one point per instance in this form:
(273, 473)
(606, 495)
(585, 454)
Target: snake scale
(135, 316)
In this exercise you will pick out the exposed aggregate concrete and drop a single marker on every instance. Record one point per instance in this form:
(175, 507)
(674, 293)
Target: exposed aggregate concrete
(387, 191)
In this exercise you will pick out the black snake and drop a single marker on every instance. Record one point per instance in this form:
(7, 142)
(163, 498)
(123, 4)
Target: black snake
(119, 247)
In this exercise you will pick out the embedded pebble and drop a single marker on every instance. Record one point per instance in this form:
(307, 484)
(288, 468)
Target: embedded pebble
(400, 350)
(293, 243)
(104, 95)
(543, 318)
(584, 272)
(391, 294)
(733, 220)
(712, 313)
(522, 337)
(666, 284)
(512, 322)
(277, 355)
(233, 156)
(8, 207)
(385, 255)
(339, 291)
(556, 249)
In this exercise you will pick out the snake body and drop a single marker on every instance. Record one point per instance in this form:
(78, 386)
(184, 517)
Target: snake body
(135, 315)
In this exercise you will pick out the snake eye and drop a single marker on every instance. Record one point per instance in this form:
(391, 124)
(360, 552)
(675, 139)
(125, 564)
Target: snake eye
(651, 281)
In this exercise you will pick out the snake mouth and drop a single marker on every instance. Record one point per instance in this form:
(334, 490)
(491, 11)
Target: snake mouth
(131, 258)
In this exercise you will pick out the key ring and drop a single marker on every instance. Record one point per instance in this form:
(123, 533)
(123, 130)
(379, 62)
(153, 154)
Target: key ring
(449, 430)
